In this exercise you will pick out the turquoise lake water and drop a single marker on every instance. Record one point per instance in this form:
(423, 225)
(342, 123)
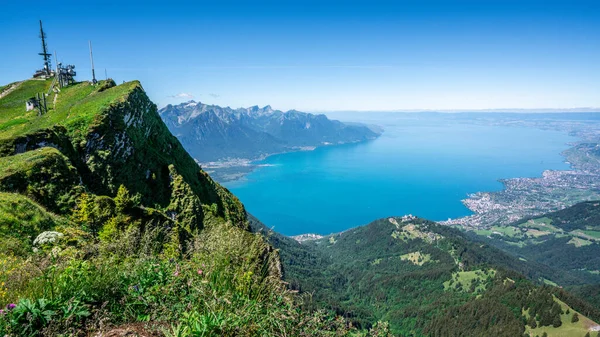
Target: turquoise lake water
(416, 167)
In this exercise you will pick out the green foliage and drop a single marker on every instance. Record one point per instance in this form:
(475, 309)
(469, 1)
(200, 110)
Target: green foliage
(469, 282)
(44, 175)
(220, 288)
(570, 251)
(492, 319)
(141, 215)
(123, 200)
(142, 234)
(94, 211)
(185, 205)
(21, 219)
(13, 122)
(380, 329)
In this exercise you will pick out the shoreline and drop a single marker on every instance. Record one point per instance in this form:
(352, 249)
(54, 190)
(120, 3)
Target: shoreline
(552, 190)
(234, 170)
(532, 196)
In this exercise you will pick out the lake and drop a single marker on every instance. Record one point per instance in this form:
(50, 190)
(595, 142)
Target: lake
(419, 166)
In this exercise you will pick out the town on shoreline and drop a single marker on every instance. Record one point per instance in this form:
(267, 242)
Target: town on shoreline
(554, 190)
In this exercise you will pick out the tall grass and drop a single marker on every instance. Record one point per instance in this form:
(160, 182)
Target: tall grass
(219, 288)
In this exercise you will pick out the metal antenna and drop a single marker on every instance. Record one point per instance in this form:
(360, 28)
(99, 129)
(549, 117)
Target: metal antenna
(105, 74)
(56, 61)
(92, 60)
(44, 52)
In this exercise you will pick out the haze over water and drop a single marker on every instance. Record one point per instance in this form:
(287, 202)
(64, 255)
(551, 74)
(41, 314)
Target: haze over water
(421, 167)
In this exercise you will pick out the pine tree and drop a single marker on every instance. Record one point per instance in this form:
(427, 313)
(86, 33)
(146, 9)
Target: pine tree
(556, 322)
(575, 318)
(123, 199)
(532, 323)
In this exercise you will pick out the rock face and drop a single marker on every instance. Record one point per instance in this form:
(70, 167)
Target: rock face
(211, 132)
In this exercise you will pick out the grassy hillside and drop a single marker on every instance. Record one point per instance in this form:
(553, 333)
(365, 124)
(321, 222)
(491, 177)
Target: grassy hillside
(567, 241)
(424, 279)
(76, 106)
(21, 220)
(107, 224)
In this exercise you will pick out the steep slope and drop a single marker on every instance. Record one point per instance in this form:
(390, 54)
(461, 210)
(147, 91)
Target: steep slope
(426, 280)
(212, 133)
(106, 220)
(114, 137)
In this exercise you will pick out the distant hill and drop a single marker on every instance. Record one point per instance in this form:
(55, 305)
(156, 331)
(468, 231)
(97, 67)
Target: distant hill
(213, 133)
(428, 280)
(567, 241)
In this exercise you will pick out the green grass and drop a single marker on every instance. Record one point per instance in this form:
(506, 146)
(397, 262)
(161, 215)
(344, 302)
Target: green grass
(21, 220)
(462, 280)
(483, 232)
(594, 234)
(416, 258)
(220, 289)
(500, 230)
(12, 122)
(25, 162)
(579, 242)
(540, 227)
(508, 231)
(77, 107)
(410, 232)
(567, 329)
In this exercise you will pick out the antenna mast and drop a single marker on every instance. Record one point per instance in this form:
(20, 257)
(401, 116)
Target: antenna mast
(92, 60)
(44, 52)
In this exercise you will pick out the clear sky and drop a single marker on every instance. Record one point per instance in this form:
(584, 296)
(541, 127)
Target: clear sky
(323, 55)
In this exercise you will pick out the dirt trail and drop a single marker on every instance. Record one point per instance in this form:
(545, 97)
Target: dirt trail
(11, 89)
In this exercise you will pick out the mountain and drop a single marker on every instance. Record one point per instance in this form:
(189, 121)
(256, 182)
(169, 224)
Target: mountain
(568, 241)
(108, 225)
(427, 280)
(213, 133)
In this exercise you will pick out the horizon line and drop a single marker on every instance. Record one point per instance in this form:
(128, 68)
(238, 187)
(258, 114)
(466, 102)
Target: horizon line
(490, 110)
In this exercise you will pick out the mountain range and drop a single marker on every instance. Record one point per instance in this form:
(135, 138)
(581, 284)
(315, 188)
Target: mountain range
(213, 133)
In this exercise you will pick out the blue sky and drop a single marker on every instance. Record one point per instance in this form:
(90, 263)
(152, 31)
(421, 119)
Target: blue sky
(324, 55)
